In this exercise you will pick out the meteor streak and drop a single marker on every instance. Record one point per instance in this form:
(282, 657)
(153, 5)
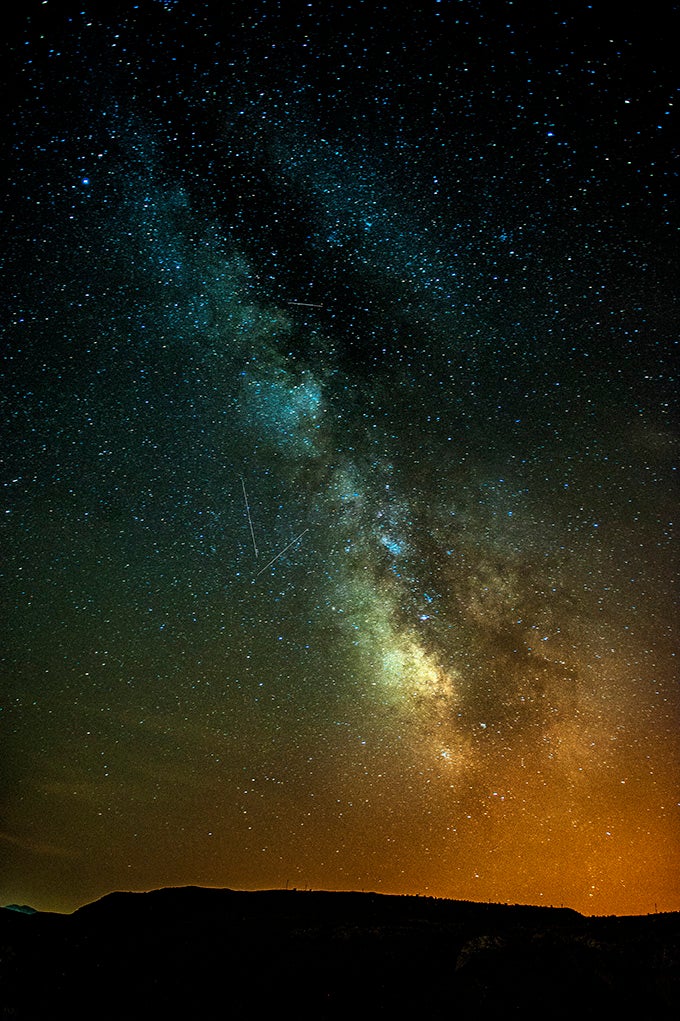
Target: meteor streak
(250, 522)
(281, 553)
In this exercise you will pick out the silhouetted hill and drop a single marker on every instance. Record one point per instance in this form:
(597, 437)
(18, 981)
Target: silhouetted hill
(200, 953)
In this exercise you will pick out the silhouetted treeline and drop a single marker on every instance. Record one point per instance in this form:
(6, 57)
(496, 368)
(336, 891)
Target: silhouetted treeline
(197, 953)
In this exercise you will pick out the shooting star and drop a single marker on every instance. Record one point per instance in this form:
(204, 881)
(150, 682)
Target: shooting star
(250, 520)
(308, 304)
(274, 559)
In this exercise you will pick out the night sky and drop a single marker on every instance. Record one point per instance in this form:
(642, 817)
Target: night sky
(338, 450)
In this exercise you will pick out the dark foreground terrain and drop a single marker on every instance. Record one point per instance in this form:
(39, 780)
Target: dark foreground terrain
(203, 954)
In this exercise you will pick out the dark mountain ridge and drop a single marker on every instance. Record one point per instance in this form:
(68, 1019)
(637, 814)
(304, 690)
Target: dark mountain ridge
(209, 953)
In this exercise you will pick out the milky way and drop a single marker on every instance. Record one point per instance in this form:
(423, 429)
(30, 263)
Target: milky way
(339, 452)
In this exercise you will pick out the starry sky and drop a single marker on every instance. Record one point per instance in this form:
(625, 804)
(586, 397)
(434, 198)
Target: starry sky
(338, 450)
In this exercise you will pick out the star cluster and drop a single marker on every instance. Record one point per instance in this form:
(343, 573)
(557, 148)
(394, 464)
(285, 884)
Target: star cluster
(339, 452)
